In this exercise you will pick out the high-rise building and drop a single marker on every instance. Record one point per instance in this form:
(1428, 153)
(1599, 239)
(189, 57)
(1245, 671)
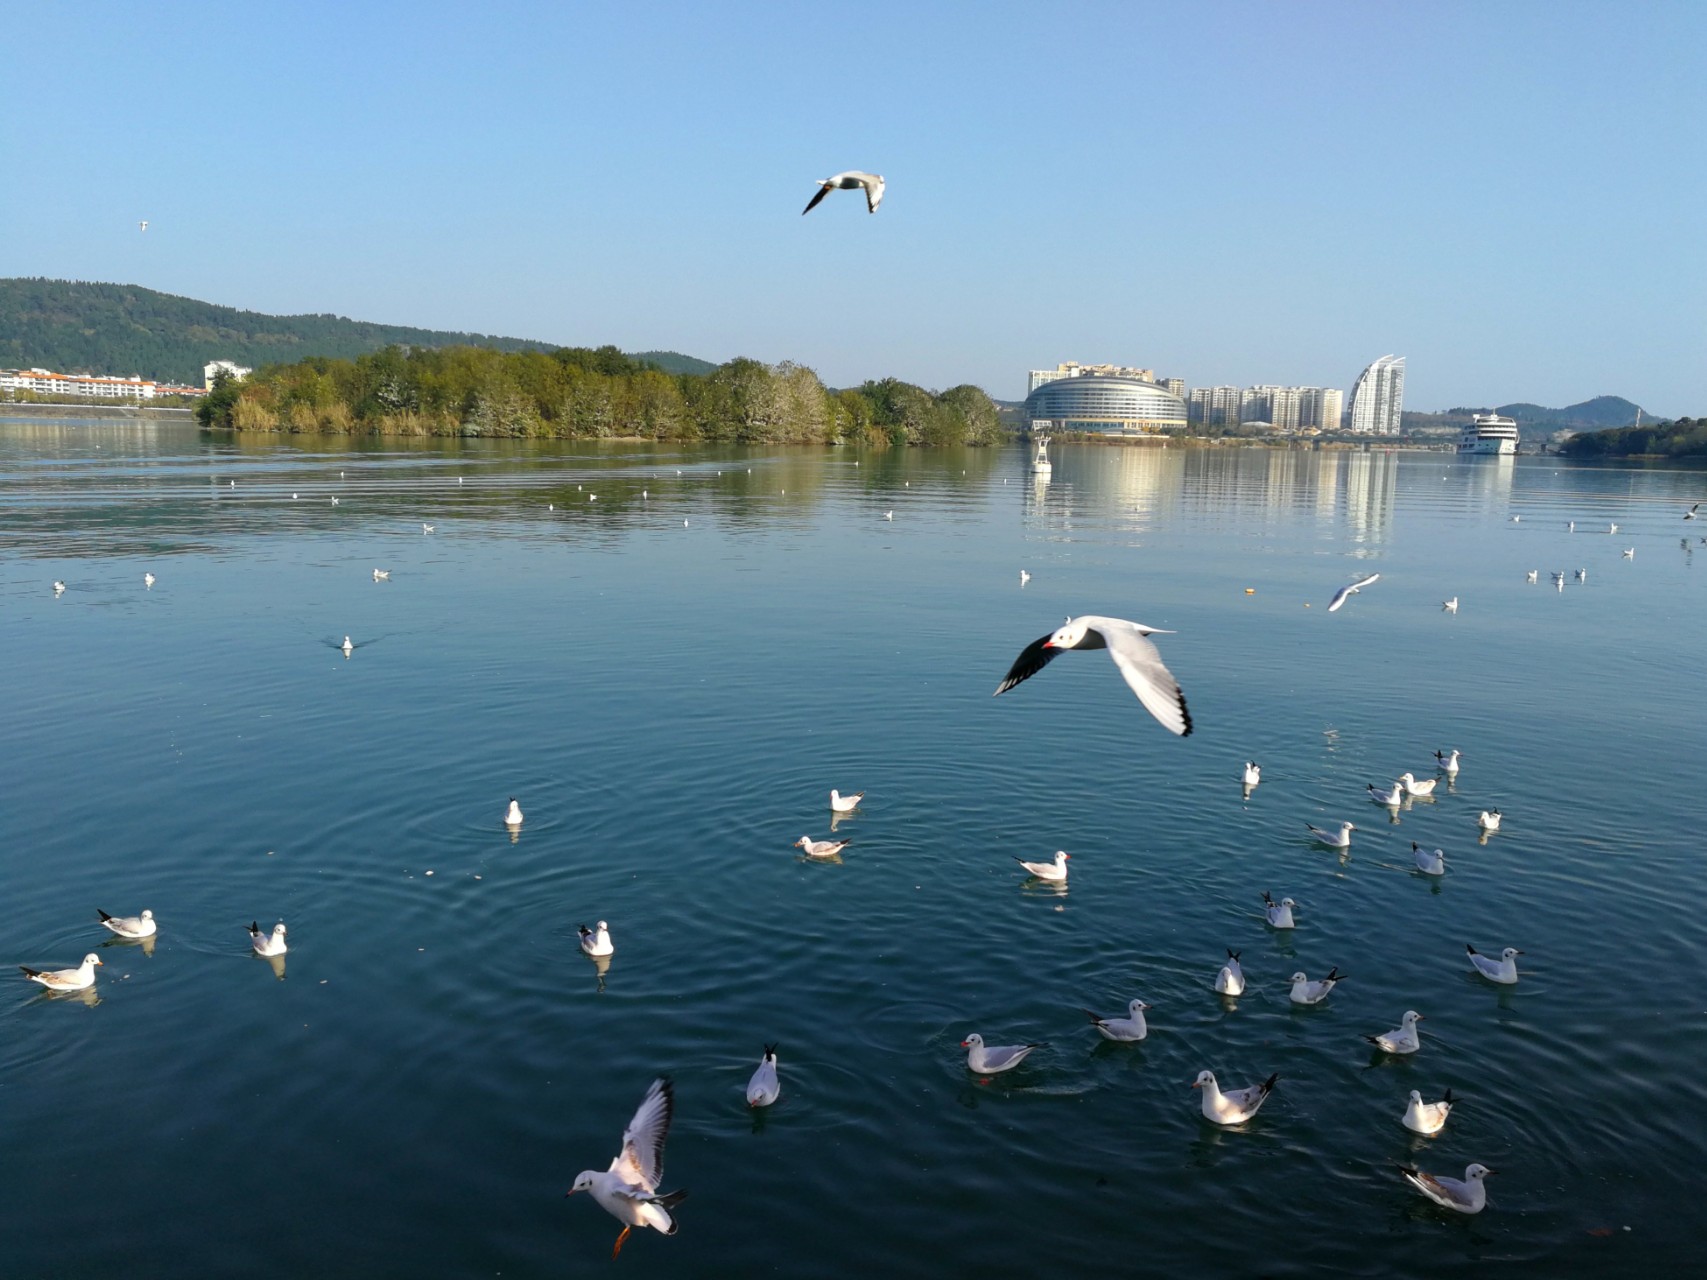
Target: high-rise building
(1378, 398)
(1175, 386)
(1321, 407)
(1073, 369)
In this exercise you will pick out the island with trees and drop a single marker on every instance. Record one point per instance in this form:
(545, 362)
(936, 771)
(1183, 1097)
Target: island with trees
(1682, 438)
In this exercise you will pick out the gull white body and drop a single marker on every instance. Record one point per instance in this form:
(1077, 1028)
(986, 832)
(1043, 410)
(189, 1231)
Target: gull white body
(380, 575)
(764, 1088)
(1235, 1106)
(1448, 760)
(148, 579)
(1503, 970)
(1490, 820)
(1450, 606)
(1338, 840)
(1252, 774)
(268, 944)
(821, 848)
(1582, 575)
(1345, 593)
(1055, 870)
(426, 528)
(845, 804)
(141, 926)
(1024, 577)
(1403, 1039)
(1629, 553)
(628, 1191)
(850, 180)
(1427, 1117)
(1127, 643)
(1391, 798)
(58, 587)
(513, 815)
(1305, 991)
(1130, 1028)
(596, 942)
(1414, 788)
(1534, 575)
(1466, 1196)
(78, 979)
(1690, 514)
(989, 1060)
(1230, 981)
(347, 646)
(1431, 862)
(1279, 914)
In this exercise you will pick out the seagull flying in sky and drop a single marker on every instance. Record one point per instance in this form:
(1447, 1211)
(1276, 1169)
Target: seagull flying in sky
(1139, 662)
(852, 179)
(1346, 592)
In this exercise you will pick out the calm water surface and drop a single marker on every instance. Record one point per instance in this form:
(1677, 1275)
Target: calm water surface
(671, 703)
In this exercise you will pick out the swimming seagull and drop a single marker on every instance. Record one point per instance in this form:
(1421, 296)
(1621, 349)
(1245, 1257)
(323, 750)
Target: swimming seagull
(78, 979)
(1392, 799)
(764, 1088)
(148, 579)
(426, 528)
(845, 804)
(1139, 662)
(628, 1191)
(1230, 981)
(266, 944)
(334, 502)
(1127, 1029)
(513, 815)
(1490, 820)
(380, 575)
(1429, 862)
(1468, 1196)
(1415, 788)
(1403, 1039)
(1306, 992)
(1252, 774)
(141, 926)
(1055, 870)
(1427, 1117)
(58, 586)
(1448, 760)
(888, 515)
(1629, 553)
(1612, 528)
(821, 848)
(1503, 970)
(1279, 913)
(1533, 575)
(852, 179)
(989, 1061)
(1235, 1106)
(347, 646)
(1582, 575)
(596, 943)
(1024, 577)
(1342, 840)
(1450, 606)
(1346, 592)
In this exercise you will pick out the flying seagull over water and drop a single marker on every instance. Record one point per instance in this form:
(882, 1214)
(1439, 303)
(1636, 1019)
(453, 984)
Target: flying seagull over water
(1427, 1117)
(989, 1060)
(1468, 1196)
(628, 1191)
(764, 1088)
(83, 976)
(1139, 662)
(852, 179)
(1346, 592)
(141, 926)
(1128, 1029)
(1690, 514)
(1503, 970)
(1235, 1106)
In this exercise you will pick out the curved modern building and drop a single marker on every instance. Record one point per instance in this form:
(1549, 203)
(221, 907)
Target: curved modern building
(1378, 399)
(1091, 402)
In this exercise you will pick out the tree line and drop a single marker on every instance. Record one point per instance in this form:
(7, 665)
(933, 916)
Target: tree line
(1684, 438)
(582, 393)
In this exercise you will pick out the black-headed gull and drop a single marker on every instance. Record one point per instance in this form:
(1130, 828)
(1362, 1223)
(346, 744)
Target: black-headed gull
(1450, 606)
(426, 528)
(148, 579)
(1629, 553)
(764, 1088)
(821, 848)
(1392, 799)
(628, 1191)
(989, 1060)
(1534, 575)
(1338, 840)
(58, 587)
(1230, 981)
(513, 815)
(1581, 575)
(1427, 1117)
(849, 180)
(348, 646)
(1431, 862)
(1468, 1196)
(268, 944)
(1503, 970)
(1690, 514)
(845, 804)
(1414, 788)
(78, 979)
(596, 942)
(1490, 820)
(1346, 592)
(1252, 774)
(381, 575)
(1402, 1039)
(141, 926)
(1024, 577)
(1235, 1106)
(1448, 760)
(1304, 991)
(1612, 528)
(1279, 914)
(1139, 662)
(1129, 1028)
(1053, 870)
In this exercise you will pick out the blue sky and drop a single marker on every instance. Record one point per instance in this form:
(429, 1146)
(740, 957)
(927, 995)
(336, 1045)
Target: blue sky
(1512, 195)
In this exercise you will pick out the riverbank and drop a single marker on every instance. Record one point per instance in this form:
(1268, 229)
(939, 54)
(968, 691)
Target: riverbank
(37, 409)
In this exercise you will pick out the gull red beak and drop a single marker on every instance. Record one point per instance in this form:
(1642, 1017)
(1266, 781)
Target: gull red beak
(965, 1044)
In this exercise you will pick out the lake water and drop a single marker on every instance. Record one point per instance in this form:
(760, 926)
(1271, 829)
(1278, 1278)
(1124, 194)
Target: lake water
(672, 702)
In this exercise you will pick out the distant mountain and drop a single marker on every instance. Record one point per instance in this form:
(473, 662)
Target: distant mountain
(1602, 411)
(77, 327)
(675, 361)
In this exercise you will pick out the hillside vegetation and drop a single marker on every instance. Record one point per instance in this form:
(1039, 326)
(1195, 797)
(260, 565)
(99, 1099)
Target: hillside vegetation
(1685, 438)
(580, 393)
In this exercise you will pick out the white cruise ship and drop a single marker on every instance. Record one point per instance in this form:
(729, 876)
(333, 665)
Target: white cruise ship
(1489, 433)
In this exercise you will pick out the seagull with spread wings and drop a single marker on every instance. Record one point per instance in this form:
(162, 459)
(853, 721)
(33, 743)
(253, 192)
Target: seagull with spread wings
(628, 1191)
(850, 180)
(1128, 644)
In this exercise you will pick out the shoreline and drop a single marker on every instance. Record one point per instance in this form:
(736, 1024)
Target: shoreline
(142, 413)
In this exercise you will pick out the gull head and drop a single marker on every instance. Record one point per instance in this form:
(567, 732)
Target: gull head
(148, 915)
(92, 958)
(583, 1182)
(1509, 953)
(1136, 1007)
(1205, 1079)
(1299, 977)
(1477, 1172)
(1068, 636)
(1287, 902)
(803, 842)
(973, 1041)
(1416, 1097)
(1411, 1018)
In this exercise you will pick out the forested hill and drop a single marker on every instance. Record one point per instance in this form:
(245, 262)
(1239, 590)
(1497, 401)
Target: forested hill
(123, 329)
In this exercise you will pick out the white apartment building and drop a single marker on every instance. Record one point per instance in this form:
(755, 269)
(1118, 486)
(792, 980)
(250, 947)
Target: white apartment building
(212, 367)
(1378, 398)
(1284, 408)
(1072, 369)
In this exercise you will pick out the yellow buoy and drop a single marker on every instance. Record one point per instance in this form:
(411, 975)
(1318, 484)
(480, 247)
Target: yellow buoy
(1250, 591)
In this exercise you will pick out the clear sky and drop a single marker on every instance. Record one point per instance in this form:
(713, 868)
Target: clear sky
(1512, 195)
